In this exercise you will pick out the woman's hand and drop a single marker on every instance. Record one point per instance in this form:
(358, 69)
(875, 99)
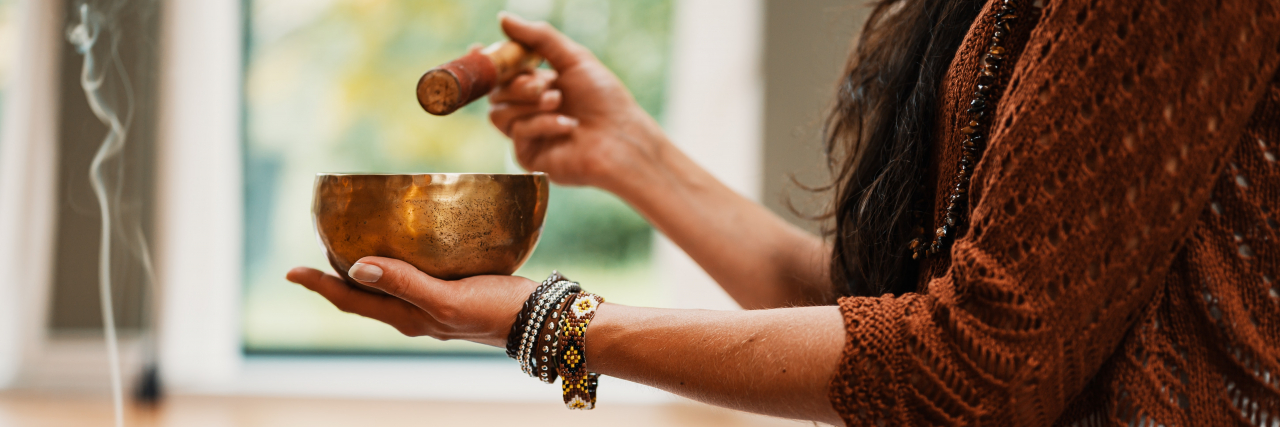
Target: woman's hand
(479, 309)
(578, 123)
(581, 126)
(775, 362)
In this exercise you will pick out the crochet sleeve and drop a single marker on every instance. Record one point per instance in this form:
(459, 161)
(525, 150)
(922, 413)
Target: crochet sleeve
(1116, 121)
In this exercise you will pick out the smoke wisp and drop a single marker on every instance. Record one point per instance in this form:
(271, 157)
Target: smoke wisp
(98, 43)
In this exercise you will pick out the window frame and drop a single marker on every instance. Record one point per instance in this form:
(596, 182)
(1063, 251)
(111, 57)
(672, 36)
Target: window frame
(199, 198)
(28, 188)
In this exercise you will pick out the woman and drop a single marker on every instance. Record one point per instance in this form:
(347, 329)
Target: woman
(1099, 185)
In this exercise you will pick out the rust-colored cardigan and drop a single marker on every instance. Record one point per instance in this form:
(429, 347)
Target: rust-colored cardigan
(1121, 260)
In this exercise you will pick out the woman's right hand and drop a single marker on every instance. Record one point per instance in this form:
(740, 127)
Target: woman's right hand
(581, 126)
(578, 123)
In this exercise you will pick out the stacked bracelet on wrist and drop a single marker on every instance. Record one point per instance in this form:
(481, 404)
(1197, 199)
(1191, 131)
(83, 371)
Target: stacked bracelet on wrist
(519, 329)
(548, 338)
(548, 344)
(537, 318)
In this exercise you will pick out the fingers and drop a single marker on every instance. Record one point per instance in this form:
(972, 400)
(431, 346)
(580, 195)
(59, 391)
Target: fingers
(533, 135)
(398, 279)
(542, 127)
(395, 312)
(525, 88)
(503, 115)
(559, 50)
(477, 309)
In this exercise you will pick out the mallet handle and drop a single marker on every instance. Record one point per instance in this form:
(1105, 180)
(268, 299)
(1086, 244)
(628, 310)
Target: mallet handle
(444, 89)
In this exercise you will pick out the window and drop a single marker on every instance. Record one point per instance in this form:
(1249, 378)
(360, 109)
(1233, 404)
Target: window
(329, 88)
(711, 108)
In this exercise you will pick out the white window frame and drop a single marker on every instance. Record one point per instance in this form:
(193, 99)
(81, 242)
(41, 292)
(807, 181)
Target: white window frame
(713, 112)
(28, 186)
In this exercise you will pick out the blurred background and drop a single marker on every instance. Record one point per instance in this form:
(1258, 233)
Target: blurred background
(232, 108)
(325, 90)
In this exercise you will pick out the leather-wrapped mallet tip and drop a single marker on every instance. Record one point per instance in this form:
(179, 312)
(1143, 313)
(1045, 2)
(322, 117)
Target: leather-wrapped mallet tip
(439, 92)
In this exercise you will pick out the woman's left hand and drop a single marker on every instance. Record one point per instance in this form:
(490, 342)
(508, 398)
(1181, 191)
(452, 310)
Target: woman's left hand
(479, 309)
(777, 362)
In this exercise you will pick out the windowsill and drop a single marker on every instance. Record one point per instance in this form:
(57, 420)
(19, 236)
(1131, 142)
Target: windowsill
(74, 364)
(436, 378)
(22, 408)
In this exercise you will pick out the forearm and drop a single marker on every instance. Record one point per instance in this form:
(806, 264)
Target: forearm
(581, 126)
(759, 259)
(774, 362)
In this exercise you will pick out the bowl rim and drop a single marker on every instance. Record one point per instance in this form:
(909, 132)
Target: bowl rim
(428, 174)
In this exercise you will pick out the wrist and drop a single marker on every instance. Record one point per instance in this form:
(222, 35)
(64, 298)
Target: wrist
(600, 336)
(551, 342)
(642, 163)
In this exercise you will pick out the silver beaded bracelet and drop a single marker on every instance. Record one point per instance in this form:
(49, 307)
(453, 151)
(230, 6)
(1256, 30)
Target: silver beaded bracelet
(531, 306)
(535, 323)
(557, 296)
(530, 331)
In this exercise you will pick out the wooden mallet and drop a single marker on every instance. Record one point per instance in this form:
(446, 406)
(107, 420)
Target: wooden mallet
(445, 89)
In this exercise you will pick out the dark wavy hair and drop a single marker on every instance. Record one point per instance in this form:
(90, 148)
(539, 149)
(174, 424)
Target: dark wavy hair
(877, 137)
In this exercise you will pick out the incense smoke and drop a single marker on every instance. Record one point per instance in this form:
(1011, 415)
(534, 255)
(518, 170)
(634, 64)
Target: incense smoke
(106, 170)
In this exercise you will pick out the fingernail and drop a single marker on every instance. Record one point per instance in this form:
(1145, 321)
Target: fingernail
(567, 121)
(367, 273)
(550, 99)
(537, 88)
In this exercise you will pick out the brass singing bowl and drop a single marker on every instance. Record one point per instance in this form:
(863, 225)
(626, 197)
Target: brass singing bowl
(449, 225)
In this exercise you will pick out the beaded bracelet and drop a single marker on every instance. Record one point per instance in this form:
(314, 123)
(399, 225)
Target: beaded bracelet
(518, 333)
(578, 385)
(546, 314)
(525, 352)
(548, 338)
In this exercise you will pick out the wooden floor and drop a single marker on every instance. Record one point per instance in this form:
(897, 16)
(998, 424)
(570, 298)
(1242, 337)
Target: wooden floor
(28, 410)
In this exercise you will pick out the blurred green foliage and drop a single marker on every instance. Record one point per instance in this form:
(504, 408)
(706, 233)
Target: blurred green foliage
(589, 226)
(330, 88)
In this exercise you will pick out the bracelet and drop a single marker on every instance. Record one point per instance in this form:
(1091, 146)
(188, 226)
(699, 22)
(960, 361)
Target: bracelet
(518, 332)
(540, 341)
(548, 338)
(548, 345)
(578, 385)
(525, 352)
(526, 316)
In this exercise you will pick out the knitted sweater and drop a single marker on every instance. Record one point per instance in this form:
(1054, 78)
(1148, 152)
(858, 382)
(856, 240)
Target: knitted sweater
(1120, 261)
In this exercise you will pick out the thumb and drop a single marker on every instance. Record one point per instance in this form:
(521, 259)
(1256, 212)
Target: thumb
(562, 52)
(397, 278)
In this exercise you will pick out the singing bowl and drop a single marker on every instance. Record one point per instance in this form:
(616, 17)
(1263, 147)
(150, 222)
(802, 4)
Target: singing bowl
(449, 225)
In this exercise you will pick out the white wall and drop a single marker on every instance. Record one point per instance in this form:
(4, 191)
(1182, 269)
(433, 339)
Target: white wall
(807, 43)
